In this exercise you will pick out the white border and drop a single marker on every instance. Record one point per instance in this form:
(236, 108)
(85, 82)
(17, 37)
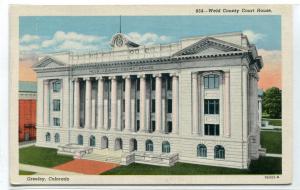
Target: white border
(4, 183)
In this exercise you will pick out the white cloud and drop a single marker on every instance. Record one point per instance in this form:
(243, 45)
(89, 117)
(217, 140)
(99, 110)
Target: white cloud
(61, 37)
(29, 47)
(61, 41)
(27, 38)
(253, 36)
(73, 45)
(148, 38)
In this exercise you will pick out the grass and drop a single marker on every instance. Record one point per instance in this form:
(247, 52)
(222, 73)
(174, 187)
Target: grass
(39, 156)
(22, 172)
(274, 122)
(264, 165)
(271, 141)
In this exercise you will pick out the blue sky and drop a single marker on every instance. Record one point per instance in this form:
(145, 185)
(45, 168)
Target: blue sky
(48, 34)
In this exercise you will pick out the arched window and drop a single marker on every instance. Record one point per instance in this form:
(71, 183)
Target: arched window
(201, 150)
(149, 146)
(56, 138)
(166, 147)
(92, 140)
(211, 81)
(80, 139)
(219, 152)
(48, 137)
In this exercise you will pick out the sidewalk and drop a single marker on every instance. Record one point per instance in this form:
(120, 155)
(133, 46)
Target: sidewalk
(274, 155)
(45, 171)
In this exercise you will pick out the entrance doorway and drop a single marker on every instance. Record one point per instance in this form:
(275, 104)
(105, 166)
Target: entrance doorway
(118, 144)
(132, 145)
(104, 142)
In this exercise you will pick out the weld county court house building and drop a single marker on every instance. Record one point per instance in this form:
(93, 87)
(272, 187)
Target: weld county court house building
(193, 101)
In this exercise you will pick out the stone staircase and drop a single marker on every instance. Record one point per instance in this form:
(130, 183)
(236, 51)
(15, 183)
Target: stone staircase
(104, 155)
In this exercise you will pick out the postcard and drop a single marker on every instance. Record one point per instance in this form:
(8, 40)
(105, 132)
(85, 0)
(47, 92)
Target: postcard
(189, 94)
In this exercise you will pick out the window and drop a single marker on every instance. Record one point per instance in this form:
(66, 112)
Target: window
(211, 129)
(56, 138)
(123, 105)
(211, 81)
(56, 86)
(137, 125)
(56, 105)
(56, 121)
(153, 106)
(201, 150)
(169, 127)
(80, 140)
(153, 82)
(211, 106)
(166, 147)
(123, 85)
(138, 106)
(169, 105)
(92, 140)
(169, 84)
(149, 146)
(219, 152)
(152, 129)
(48, 137)
(138, 85)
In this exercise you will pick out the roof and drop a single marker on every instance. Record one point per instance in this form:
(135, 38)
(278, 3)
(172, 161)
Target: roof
(26, 86)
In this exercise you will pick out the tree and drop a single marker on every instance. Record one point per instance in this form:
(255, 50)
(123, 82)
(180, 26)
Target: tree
(272, 102)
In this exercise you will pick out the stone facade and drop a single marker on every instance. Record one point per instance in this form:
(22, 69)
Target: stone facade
(194, 101)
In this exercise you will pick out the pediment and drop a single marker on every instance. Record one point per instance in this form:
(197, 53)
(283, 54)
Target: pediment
(209, 46)
(49, 62)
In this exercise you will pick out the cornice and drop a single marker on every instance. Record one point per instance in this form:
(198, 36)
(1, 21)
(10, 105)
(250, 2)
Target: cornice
(142, 62)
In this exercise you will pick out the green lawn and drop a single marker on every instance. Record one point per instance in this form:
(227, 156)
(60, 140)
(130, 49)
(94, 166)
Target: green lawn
(274, 122)
(271, 141)
(22, 172)
(46, 157)
(265, 165)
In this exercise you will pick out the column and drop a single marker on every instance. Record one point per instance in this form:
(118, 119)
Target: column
(127, 103)
(113, 103)
(46, 103)
(40, 103)
(158, 103)
(76, 103)
(132, 107)
(119, 105)
(100, 104)
(226, 96)
(175, 103)
(106, 88)
(93, 117)
(195, 103)
(88, 102)
(259, 111)
(142, 102)
(244, 98)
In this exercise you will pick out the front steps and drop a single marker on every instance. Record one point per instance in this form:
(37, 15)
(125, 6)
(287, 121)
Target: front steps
(104, 155)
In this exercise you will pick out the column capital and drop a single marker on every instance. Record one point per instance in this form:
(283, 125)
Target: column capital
(143, 75)
(75, 79)
(157, 75)
(46, 82)
(99, 78)
(112, 77)
(126, 77)
(173, 75)
(86, 78)
(194, 75)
